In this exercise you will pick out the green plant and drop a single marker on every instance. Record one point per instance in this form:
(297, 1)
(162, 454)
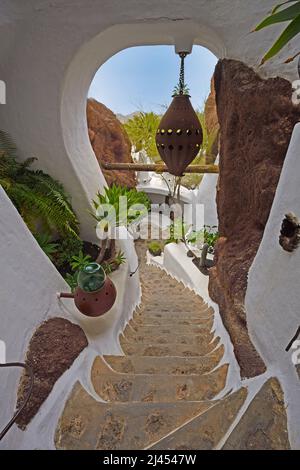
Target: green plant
(80, 261)
(195, 237)
(39, 198)
(68, 247)
(112, 265)
(119, 258)
(46, 243)
(155, 248)
(209, 137)
(108, 268)
(278, 15)
(177, 89)
(207, 235)
(177, 230)
(71, 279)
(137, 205)
(141, 129)
(211, 238)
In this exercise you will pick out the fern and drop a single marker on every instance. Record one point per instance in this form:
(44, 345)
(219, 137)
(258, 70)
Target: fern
(36, 195)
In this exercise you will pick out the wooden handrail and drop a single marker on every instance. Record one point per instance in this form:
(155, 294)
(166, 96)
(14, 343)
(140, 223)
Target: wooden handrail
(158, 167)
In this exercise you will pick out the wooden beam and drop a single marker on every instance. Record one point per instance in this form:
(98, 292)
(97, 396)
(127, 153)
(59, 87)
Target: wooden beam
(158, 167)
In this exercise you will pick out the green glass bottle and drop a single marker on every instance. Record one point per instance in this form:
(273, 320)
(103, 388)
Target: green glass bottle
(91, 278)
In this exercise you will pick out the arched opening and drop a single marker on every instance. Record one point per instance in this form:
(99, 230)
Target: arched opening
(82, 69)
(128, 97)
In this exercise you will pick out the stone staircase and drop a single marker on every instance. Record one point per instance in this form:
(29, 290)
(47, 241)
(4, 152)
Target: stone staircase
(161, 393)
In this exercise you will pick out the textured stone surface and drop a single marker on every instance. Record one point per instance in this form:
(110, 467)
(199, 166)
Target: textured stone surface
(183, 321)
(88, 424)
(170, 349)
(256, 118)
(167, 329)
(159, 310)
(166, 365)
(210, 110)
(211, 120)
(264, 424)
(110, 142)
(162, 397)
(205, 431)
(52, 350)
(174, 338)
(112, 386)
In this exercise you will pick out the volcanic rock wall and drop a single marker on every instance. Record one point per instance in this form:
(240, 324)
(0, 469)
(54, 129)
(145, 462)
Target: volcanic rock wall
(257, 118)
(210, 109)
(212, 122)
(110, 142)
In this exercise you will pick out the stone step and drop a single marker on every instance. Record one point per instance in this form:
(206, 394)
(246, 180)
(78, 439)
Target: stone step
(264, 424)
(87, 424)
(173, 295)
(177, 300)
(155, 321)
(173, 338)
(205, 431)
(166, 365)
(169, 329)
(115, 387)
(154, 285)
(180, 350)
(174, 309)
(160, 312)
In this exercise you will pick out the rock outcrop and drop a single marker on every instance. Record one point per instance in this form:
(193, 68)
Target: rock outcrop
(110, 142)
(52, 350)
(210, 109)
(257, 118)
(212, 122)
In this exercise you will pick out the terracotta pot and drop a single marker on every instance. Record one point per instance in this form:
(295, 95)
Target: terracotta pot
(179, 135)
(95, 304)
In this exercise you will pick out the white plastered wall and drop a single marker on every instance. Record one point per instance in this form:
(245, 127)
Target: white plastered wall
(273, 294)
(206, 195)
(28, 287)
(29, 284)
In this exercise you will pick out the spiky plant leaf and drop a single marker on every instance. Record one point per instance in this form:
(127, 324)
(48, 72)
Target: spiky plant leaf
(292, 14)
(277, 7)
(46, 243)
(288, 34)
(284, 15)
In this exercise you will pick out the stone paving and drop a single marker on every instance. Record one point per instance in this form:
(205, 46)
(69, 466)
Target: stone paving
(163, 393)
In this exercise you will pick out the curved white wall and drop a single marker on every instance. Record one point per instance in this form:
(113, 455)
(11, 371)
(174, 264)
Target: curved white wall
(206, 195)
(28, 295)
(28, 287)
(50, 51)
(273, 294)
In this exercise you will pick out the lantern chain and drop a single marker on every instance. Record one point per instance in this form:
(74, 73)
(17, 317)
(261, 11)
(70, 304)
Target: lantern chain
(182, 56)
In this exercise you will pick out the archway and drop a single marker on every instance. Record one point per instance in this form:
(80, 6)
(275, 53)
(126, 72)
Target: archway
(82, 69)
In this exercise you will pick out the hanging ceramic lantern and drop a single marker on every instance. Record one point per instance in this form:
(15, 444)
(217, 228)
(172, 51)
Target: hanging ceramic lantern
(179, 136)
(95, 294)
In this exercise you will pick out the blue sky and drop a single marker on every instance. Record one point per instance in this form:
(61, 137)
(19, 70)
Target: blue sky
(143, 78)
